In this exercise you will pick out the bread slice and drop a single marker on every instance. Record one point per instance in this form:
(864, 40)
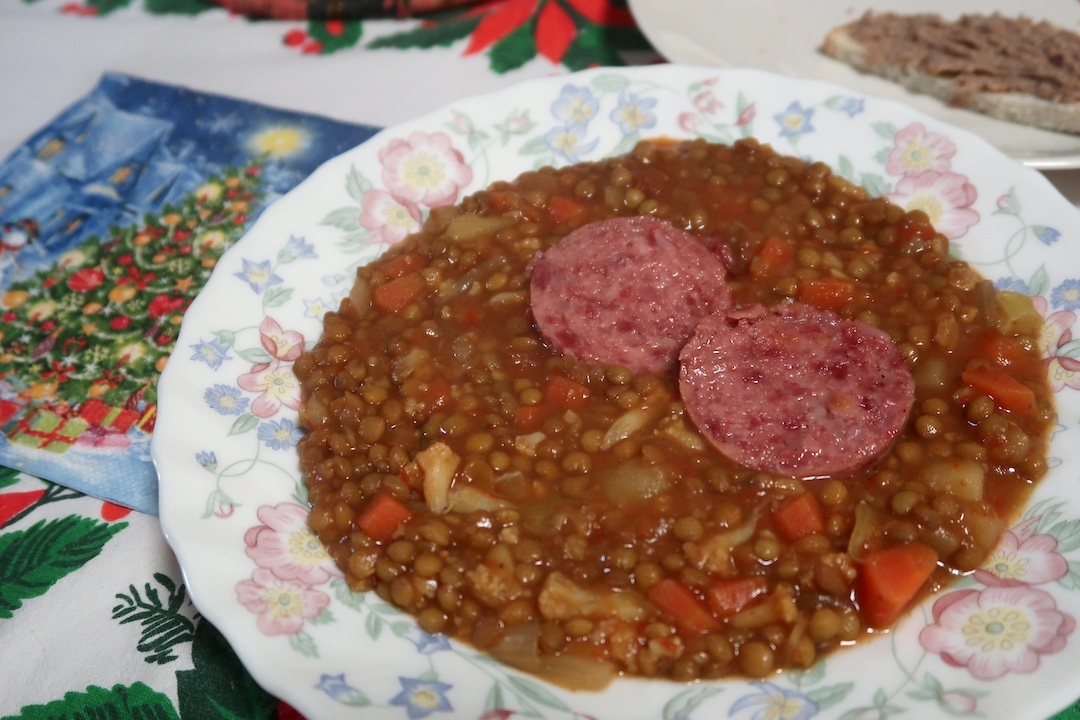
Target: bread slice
(1011, 69)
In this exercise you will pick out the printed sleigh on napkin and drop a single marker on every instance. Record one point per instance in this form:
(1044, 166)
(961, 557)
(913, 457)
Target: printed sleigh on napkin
(111, 219)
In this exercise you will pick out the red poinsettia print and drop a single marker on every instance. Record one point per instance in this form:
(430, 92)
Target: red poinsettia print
(111, 512)
(13, 503)
(574, 33)
(555, 30)
(555, 24)
(499, 20)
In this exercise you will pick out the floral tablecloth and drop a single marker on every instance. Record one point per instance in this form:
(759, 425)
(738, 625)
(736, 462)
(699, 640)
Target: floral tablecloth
(112, 196)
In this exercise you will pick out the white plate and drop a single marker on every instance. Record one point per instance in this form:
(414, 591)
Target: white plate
(232, 499)
(785, 36)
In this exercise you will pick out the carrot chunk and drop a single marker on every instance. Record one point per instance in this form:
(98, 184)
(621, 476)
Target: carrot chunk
(890, 578)
(1003, 351)
(563, 210)
(772, 258)
(686, 608)
(565, 393)
(382, 516)
(397, 294)
(727, 597)
(1008, 392)
(798, 517)
(827, 293)
(528, 417)
(402, 264)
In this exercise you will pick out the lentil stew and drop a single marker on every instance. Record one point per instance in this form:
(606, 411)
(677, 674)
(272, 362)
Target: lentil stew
(570, 519)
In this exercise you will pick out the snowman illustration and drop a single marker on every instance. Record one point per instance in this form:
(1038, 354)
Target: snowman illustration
(14, 238)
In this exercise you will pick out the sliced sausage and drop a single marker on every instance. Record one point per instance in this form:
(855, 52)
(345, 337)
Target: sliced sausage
(795, 390)
(626, 291)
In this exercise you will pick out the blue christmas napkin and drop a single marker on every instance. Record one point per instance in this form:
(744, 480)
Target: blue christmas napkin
(112, 218)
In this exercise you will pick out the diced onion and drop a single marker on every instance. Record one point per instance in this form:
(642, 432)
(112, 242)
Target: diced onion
(470, 227)
(778, 608)
(519, 648)
(958, 477)
(624, 426)
(360, 296)
(682, 434)
(864, 531)
(507, 298)
(468, 499)
(633, 481)
(1017, 314)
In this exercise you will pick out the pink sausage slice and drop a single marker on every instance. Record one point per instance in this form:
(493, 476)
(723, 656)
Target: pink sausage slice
(626, 291)
(796, 390)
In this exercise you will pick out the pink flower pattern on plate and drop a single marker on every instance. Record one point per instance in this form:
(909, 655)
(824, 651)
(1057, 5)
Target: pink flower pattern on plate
(286, 546)
(282, 606)
(996, 631)
(705, 100)
(916, 150)
(424, 169)
(1021, 560)
(285, 345)
(945, 197)
(689, 121)
(390, 218)
(1061, 370)
(276, 385)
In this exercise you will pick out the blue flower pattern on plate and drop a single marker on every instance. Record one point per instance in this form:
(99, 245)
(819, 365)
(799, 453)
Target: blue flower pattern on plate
(259, 275)
(226, 399)
(1046, 235)
(280, 434)
(422, 698)
(772, 702)
(297, 248)
(795, 120)
(1067, 295)
(339, 690)
(212, 352)
(634, 113)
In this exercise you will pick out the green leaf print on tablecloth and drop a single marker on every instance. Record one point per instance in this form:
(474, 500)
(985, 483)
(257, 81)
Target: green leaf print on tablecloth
(163, 626)
(218, 686)
(32, 560)
(8, 477)
(102, 8)
(138, 702)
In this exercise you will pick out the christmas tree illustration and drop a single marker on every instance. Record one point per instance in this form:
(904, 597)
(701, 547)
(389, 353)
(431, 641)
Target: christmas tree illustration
(82, 343)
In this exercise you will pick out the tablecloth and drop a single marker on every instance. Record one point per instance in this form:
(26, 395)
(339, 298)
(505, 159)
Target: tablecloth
(95, 620)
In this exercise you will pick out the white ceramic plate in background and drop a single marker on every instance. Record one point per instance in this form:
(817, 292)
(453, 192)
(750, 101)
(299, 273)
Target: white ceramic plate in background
(233, 503)
(785, 36)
